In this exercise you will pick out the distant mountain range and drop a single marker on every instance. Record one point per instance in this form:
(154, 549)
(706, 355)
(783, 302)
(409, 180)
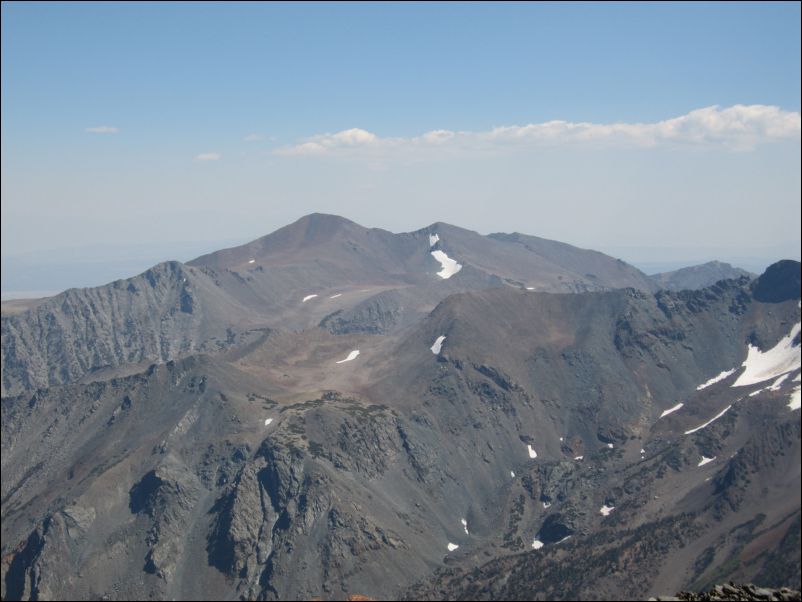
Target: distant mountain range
(698, 276)
(333, 410)
(384, 281)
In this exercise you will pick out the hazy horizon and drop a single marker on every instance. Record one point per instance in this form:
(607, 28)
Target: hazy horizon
(28, 275)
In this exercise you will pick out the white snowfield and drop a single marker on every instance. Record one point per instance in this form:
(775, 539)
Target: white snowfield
(452, 546)
(450, 266)
(760, 366)
(715, 379)
(795, 402)
(438, 344)
(268, 421)
(606, 510)
(532, 452)
(465, 526)
(305, 299)
(775, 386)
(709, 422)
(579, 458)
(512, 474)
(433, 238)
(351, 356)
(610, 445)
(252, 261)
(537, 544)
(670, 410)
(705, 460)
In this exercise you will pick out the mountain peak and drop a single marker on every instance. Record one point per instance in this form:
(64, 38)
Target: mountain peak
(698, 276)
(319, 218)
(315, 227)
(308, 231)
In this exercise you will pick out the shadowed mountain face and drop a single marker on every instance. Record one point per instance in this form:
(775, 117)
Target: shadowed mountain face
(780, 282)
(698, 276)
(486, 441)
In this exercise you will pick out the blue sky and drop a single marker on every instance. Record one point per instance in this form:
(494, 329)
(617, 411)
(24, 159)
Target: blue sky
(174, 84)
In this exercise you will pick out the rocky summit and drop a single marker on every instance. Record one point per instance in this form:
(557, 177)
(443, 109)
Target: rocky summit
(732, 591)
(333, 411)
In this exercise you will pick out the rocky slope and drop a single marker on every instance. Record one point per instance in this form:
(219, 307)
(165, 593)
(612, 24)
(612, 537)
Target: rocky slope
(510, 444)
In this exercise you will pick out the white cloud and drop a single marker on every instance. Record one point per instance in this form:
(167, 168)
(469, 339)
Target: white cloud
(324, 143)
(103, 129)
(208, 157)
(253, 137)
(739, 128)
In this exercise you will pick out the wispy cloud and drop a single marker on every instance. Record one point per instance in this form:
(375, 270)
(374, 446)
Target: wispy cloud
(208, 157)
(738, 128)
(253, 137)
(103, 129)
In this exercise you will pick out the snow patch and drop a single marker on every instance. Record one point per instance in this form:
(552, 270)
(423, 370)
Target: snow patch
(268, 421)
(783, 357)
(775, 386)
(606, 510)
(512, 474)
(715, 379)
(610, 445)
(438, 344)
(797, 378)
(452, 546)
(532, 452)
(561, 438)
(351, 356)
(465, 526)
(537, 544)
(335, 296)
(530, 288)
(252, 261)
(795, 402)
(709, 422)
(670, 410)
(705, 460)
(546, 504)
(450, 266)
(579, 458)
(643, 451)
(433, 238)
(305, 299)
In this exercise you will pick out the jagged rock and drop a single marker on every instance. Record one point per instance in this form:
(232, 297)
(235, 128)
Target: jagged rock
(736, 592)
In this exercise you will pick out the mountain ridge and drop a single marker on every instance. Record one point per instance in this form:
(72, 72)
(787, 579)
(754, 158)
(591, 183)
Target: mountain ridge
(258, 281)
